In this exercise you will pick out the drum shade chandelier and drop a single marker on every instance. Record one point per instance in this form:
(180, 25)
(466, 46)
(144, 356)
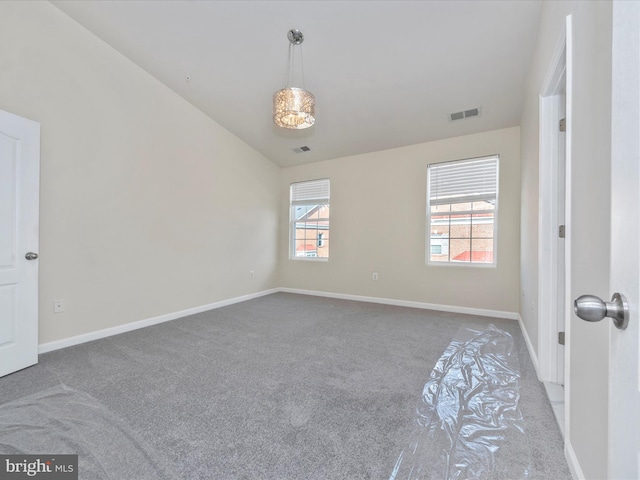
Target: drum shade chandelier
(294, 107)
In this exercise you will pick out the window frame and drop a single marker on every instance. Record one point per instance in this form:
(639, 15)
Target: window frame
(318, 201)
(470, 199)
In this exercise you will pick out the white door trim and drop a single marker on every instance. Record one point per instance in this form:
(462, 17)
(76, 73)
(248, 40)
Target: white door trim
(548, 207)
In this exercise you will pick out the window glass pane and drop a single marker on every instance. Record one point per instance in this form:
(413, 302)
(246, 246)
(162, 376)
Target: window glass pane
(440, 219)
(322, 211)
(311, 225)
(461, 207)
(461, 231)
(483, 206)
(440, 230)
(301, 211)
(323, 243)
(439, 248)
(482, 226)
(323, 238)
(460, 226)
(446, 208)
(312, 238)
(304, 248)
(459, 250)
(482, 250)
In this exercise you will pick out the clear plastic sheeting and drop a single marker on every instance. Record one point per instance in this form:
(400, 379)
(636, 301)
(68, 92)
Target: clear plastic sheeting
(468, 424)
(61, 420)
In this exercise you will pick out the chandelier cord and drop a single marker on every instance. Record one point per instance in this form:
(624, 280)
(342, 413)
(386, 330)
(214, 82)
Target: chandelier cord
(289, 67)
(290, 80)
(302, 68)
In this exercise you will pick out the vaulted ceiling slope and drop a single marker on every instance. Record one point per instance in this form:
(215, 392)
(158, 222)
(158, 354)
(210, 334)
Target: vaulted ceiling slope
(385, 73)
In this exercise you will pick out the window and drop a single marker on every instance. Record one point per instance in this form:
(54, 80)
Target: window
(462, 206)
(309, 224)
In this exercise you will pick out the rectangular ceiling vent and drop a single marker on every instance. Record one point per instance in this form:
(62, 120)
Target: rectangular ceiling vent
(473, 112)
(301, 149)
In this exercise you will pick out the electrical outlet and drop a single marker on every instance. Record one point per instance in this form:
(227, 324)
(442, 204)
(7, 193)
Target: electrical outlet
(251, 274)
(374, 276)
(58, 306)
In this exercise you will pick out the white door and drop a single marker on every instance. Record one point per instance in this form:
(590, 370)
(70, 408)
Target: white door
(624, 382)
(19, 198)
(624, 344)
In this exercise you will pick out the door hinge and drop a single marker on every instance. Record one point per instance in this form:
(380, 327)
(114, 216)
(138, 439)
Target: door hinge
(562, 124)
(561, 338)
(561, 231)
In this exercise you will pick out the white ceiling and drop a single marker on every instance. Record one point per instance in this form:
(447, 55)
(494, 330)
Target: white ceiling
(385, 73)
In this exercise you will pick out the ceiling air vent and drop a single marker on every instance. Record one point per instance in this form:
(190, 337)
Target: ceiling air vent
(473, 112)
(301, 149)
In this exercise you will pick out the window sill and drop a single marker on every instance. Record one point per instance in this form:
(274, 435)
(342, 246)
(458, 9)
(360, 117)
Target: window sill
(461, 264)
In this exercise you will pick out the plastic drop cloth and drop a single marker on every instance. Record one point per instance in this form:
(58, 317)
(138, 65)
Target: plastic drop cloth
(468, 424)
(61, 420)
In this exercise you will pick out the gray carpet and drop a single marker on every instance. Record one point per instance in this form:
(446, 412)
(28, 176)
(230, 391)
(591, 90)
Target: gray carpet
(281, 387)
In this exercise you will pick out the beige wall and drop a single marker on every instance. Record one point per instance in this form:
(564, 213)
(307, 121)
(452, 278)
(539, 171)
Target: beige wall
(378, 221)
(589, 229)
(147, 206)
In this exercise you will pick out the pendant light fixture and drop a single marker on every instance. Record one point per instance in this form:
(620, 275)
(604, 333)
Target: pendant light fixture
(294, 107)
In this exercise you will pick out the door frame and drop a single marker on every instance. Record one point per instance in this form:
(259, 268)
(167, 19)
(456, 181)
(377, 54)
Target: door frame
(548, 189)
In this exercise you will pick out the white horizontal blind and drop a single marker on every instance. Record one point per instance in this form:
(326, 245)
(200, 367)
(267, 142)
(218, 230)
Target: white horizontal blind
(463, 181)
(314, 191)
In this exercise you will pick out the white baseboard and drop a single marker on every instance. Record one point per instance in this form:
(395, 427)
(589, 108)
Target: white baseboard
(532, 352)
(107, 332)
(572, 460)
(406, 303)
(127, 327)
